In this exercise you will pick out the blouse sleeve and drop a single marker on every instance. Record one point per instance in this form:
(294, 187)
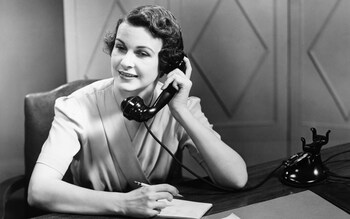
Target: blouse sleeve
(65, 135)
(185, 140)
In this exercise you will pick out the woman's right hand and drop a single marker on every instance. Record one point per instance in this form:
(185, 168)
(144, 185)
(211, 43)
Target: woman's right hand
(147, 201)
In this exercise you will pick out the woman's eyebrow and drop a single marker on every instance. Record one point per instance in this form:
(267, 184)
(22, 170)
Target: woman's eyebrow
(138, 47)
(146, 47)
(119, 40)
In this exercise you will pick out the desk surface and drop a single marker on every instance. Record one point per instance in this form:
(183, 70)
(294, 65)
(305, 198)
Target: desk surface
(336, 192)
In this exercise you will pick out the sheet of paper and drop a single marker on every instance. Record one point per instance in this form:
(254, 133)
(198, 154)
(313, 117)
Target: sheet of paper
(178, 208)
(231, 216)
(304, 204)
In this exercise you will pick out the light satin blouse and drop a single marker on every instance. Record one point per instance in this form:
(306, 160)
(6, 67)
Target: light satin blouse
(88, 134)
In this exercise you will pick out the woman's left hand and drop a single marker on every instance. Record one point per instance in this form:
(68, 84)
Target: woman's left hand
(182, 83)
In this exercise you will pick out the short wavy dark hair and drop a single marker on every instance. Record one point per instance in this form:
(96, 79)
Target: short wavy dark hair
(162, 24)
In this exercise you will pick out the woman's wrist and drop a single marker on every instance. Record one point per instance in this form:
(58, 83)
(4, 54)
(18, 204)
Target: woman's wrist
(115, 204)
(182, 115)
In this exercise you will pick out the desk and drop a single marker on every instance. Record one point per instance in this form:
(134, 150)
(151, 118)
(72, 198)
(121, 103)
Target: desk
(335, 192)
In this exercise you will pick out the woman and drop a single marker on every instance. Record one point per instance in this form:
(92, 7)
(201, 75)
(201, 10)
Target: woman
(106, 152)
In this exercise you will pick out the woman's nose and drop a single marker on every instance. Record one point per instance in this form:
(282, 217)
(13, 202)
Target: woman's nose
(127, 61)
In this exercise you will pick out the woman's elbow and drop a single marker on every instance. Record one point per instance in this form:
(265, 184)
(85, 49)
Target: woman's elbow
(242, 180)
(35, 195)
(235, 179)
(31, 197)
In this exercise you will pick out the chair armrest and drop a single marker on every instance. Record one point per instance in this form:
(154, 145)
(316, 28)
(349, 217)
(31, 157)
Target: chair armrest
(8, 187)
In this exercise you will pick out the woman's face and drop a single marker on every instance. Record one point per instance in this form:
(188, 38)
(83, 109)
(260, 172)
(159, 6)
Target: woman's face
(134, 60)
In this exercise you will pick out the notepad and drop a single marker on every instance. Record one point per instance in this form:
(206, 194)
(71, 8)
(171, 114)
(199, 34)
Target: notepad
(178, 208)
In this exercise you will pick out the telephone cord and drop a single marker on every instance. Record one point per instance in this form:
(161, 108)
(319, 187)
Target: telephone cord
(329, 160)
(203, 179)
(335, 155)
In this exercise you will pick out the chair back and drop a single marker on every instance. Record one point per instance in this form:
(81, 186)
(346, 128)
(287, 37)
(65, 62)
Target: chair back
(39, 114)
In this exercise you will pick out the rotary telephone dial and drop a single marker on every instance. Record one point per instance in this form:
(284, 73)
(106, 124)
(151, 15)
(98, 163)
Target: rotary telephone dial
(306, 168)
(134, 107)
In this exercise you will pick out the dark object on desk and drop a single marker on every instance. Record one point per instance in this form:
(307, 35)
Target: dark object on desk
(39, 113)
(306, 168)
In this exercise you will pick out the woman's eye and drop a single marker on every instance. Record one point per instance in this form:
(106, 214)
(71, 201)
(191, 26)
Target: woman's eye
(142, 53)
(120, 47)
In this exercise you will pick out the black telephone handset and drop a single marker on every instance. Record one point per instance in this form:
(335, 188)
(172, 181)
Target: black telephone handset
(134, 107)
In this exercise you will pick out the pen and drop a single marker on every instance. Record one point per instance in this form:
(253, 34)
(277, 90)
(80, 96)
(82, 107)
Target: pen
(145, 185)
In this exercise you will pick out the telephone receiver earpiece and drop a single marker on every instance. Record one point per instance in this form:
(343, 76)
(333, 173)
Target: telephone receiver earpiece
(134, 107)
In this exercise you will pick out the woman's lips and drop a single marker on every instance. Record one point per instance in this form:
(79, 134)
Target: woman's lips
(126, 75)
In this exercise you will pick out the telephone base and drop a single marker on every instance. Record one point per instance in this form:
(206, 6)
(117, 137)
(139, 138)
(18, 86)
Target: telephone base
(304, 173)
(306, 168)
(301, 182)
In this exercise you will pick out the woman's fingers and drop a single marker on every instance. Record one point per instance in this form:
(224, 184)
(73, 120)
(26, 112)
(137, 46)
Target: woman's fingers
(177, 79)
(178, 74)
(152, 199)
(188, 67)
(160, 204)
(163, 190)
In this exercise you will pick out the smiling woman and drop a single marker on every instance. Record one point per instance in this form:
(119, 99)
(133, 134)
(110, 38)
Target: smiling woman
(134, 60)
(106, 152)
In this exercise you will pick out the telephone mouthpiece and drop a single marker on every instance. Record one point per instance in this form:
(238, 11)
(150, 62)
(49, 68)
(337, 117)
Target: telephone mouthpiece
(135, 109)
